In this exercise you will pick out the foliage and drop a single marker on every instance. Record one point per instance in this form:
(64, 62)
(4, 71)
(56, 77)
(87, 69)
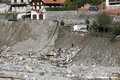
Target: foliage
(7, 15)
(4, 1)
(24, 16)
(80, 3)
(67, 3)
(103, 22)
(115, 31)
(1, 51)
(74, 4)
(94, 33)
(87, 21)
(94, 26)
(60, 8)
(62, 23)
(1, 1)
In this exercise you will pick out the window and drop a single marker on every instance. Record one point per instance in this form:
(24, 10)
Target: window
(21, 0)
(37, 3)
(37, 7)
(33, 3)
(15, 1)
(112, 0)
(33, 7)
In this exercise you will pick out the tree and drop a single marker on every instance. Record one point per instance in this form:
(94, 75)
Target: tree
(80, 3)
(95, 26)
(103, 20)
(67, 3)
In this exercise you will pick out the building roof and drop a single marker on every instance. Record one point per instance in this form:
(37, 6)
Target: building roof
(20, 3)
(53, 1)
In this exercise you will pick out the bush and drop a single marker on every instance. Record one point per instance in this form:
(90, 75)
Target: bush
(60, 8)
(94, 33)
(115, 31)
(24, 16)
(94, 26)
(62, 23)
(87, 21)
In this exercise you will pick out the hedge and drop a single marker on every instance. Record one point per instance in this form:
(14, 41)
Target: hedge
(60, 8)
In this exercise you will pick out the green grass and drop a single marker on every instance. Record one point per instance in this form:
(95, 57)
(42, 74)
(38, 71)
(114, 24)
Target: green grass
(99, 34)
(6, 13)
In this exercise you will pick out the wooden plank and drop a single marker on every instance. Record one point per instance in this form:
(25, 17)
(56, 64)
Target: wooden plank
(12, 77)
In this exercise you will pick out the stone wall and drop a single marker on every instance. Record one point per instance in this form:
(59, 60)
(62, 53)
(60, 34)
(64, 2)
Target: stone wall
(67, 15)
(2, 17)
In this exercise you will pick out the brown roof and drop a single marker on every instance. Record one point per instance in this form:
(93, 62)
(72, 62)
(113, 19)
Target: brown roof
(53, 2)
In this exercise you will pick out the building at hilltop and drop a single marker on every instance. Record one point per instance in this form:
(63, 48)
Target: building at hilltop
(113, 4)
(35, 8)
(38, 7)
(19, 6)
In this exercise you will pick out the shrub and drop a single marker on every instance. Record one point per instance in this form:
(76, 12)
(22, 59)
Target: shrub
(115, 31)
(94, 26)
(62, 23)
(87, 21)
(24, 16)
(60, 8)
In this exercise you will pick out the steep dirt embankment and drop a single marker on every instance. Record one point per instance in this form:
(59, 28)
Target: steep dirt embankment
(99, 51)
(27, 35)
(95, 50)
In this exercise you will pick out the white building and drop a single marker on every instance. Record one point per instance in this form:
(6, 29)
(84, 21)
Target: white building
(38, 11)
(36, 8)
(113, 4)
(19, 6)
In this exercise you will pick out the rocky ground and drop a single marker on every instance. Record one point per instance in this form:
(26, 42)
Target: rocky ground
(34, 50)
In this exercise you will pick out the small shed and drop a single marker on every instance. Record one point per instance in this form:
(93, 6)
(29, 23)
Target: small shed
(81, 28)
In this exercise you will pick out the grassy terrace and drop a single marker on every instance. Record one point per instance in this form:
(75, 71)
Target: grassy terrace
(6, 13)
(99, 33)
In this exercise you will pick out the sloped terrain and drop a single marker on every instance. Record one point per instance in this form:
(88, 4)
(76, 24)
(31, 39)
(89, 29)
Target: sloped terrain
(99, 51)
(30, 34)
(26, 48)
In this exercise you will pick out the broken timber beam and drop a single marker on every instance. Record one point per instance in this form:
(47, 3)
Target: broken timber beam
(12, 77)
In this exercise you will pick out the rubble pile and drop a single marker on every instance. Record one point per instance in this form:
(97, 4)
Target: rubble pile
(38, 66)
